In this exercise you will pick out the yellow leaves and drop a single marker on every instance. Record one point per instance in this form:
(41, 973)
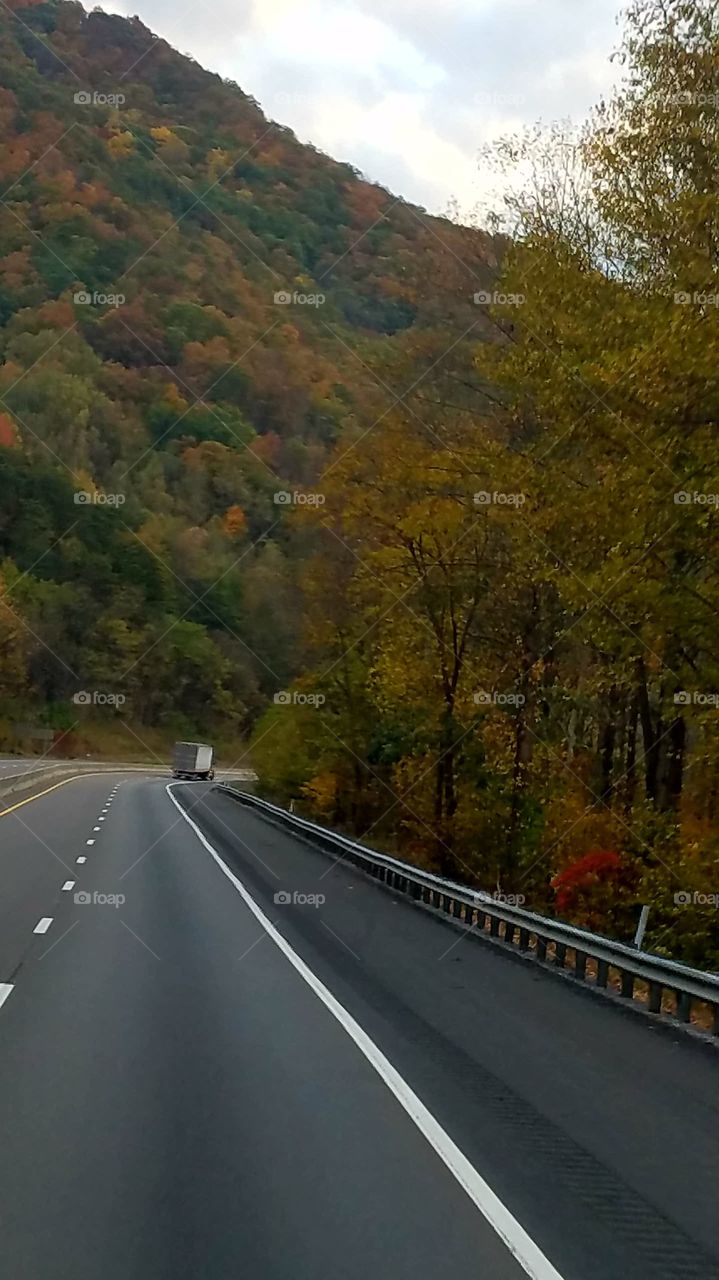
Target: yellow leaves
(174, 398)
(172, 148)
(440, 517)
(85, 482)
(121, 145)
(218, 163)
(162, 134)
(321, 791)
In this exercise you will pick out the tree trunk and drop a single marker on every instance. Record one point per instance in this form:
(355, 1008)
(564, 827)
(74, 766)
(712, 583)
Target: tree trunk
(650, 736)
(630, 764)
(671, 767)
(607, 745)
(445, 796)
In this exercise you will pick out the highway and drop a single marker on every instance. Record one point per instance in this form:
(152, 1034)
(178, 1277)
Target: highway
(229, 1056)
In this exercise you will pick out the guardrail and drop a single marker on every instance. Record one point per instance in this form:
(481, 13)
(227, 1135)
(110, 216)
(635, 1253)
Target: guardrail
(24, 780)
(663, 987)
(53, 769)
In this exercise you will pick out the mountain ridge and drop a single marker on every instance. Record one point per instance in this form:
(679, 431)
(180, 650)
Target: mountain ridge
(150, 217)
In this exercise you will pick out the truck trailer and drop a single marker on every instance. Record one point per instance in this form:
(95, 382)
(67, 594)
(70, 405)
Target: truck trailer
(193, 760)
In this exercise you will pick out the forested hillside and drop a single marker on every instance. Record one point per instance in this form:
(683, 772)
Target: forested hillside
(158, 389)
(514, 615)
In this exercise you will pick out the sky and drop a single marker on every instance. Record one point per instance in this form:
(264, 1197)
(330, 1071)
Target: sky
(405, 90)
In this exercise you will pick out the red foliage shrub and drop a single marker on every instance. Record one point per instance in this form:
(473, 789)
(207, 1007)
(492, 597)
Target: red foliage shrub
(597, 891)
(594, 868)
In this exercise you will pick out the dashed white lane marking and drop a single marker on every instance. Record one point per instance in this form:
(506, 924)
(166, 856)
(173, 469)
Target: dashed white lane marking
(5, 989)
(89, 842)
(101, 819)
(68, 885)
(519, 1243)
(83, 859)
(43, 925)
(97, 828)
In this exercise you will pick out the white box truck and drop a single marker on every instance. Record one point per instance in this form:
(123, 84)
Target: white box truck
(193, 760)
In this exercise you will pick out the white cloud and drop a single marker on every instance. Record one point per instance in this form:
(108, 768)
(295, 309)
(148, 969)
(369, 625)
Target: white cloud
(407, 90)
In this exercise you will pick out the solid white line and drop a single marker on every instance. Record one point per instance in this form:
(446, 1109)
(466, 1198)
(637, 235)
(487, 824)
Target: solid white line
(5, 989)
(43, 925)
(68, 885)
(520, 1244)
(83, 859)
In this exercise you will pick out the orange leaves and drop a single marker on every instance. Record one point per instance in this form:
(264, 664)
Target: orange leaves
(234, 523)
(365, 203)
(268, 448)
(9, 438)
(56, 314)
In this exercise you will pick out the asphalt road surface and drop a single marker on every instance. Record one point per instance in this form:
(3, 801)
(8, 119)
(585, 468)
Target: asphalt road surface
(231, 1057)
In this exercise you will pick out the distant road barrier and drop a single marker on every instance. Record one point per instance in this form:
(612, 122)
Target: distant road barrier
(44, 769)
(663, 987)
